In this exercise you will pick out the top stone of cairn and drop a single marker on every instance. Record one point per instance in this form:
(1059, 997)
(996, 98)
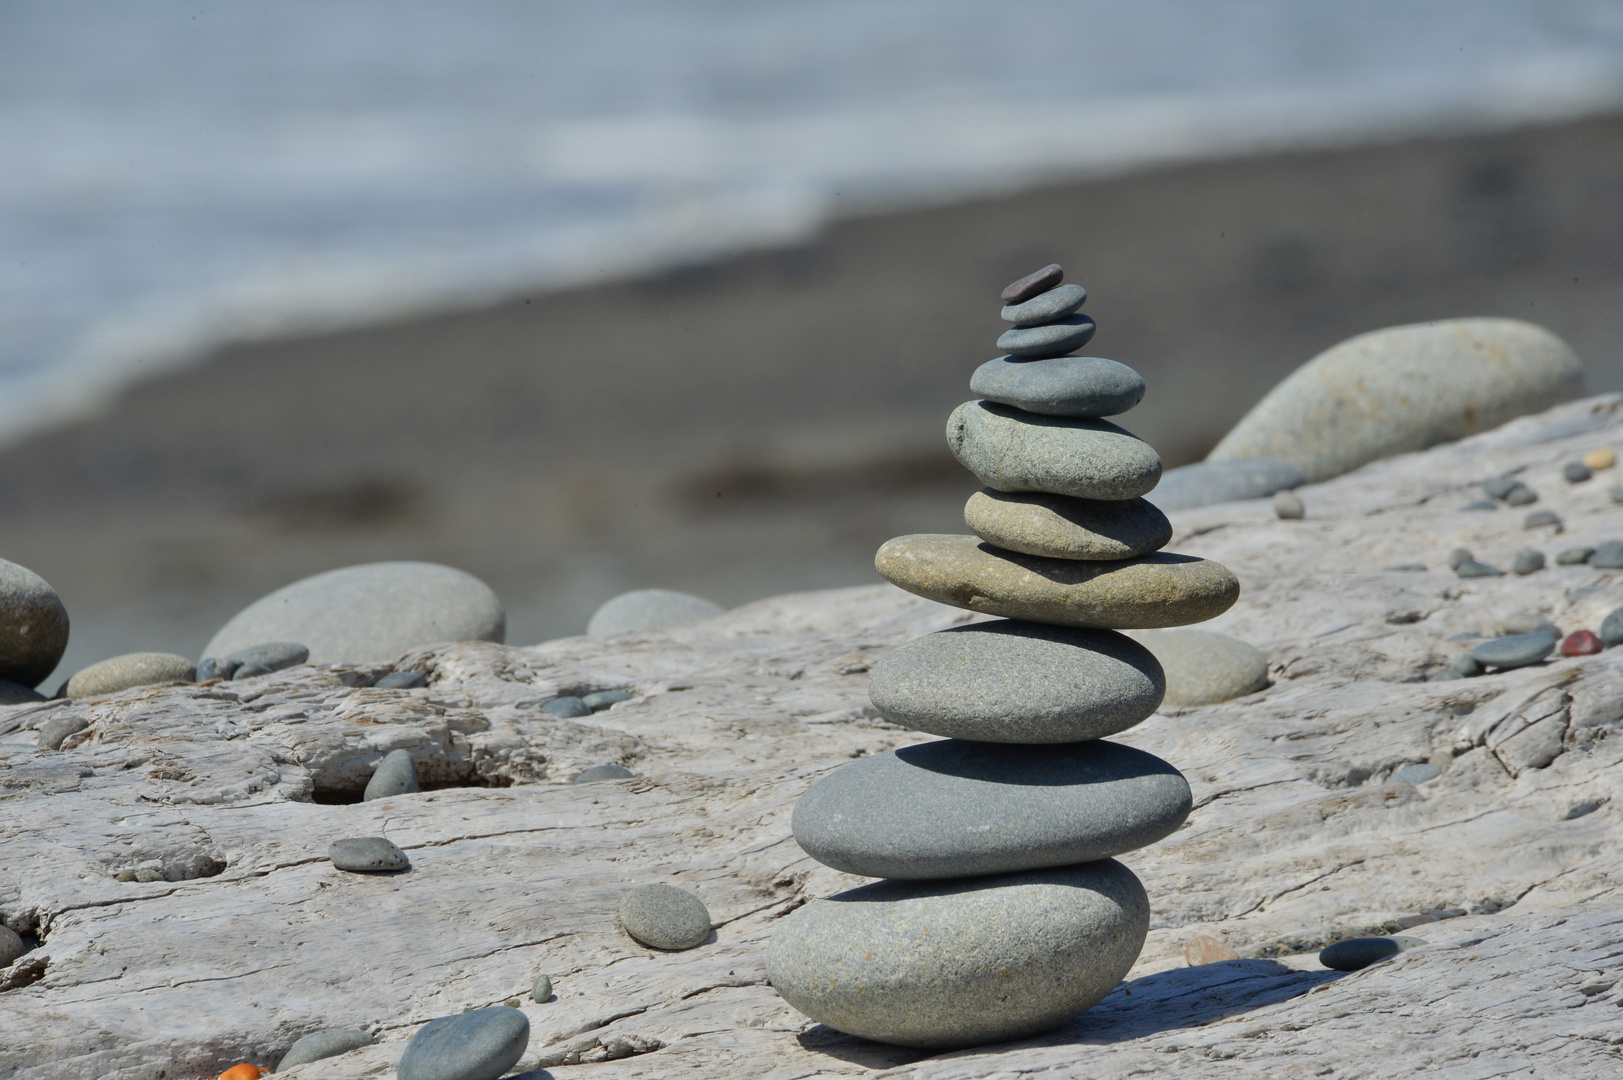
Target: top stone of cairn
(1020, 291)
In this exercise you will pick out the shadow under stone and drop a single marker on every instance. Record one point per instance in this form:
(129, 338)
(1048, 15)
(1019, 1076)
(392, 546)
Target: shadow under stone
(858, 1051)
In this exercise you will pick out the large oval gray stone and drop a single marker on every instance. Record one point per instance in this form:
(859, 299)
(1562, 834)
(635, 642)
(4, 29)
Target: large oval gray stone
(1515, 650)
(1045, 307)
(319, 1045)
(371, 612)
(1018, 682)
(1087, 386)
(481, 1044)
(649, 609)
(957, 808)
(1207, 482)
(944, 964)
(126, 672)
(1402, 389)
(1203, 668)
(1060, 527)
(33, 626)
(1011, 450)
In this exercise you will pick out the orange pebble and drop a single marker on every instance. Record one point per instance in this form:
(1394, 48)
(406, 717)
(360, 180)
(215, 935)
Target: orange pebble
(1600, 459)
(244, 1071)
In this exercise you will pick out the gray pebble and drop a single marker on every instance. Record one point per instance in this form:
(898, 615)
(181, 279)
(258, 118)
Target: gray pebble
(1576, 472)
(1011, 450)
(216, 667)
(1207, 482)
(1355, 954)
(367, 855)
(1470, 568)
(1054, 339)
(1611, 628)
(1203, 667)
(1459, 556)
(1018, 292)
(267, 657)
(11, 946)
(319, 1045)
(1407, 568)
(16, 694)
(1608, 555)
(541, 989)
(1418, 773)
(1060, 386)
(649, 609)
(1464, 666)
(53, 733)
(1480, 504)
(1045, 307)
(33, 626)
(1521, 495)
(1517, 650)
(128, 672)
(1527, 561)
(603, 772)
(664, 917)
(1060, 527)
(1540, 518)
(1575, 556)
(481, 1044)
(1288, 506)
(598, 700)
(1500, 486)
(567, 707)
(396, 774)
(402, 680)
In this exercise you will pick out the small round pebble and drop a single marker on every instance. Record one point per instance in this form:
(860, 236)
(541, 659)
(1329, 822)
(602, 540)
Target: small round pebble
(602, 699)
(603, 772)
(1045, 307)
(1527, 561)
(1600, 459)
(396, 774)
(1608, 555)
(33, 625)
(541, 989)
(1582, 643)
(567, 707)
(1418, 773)
(1540, 518)
(481, 1044)
(1018, 292)
(1355, 954)
(1459, 556)
(1611, 628)
(1575, 556)
(401, 680)
(55, 731)
(1480, 504)
(1465, 666)
(319, 1045)
(1288, 505)
(665, 917)
(1052, 339)
(1576, 472)
(1470, 568)
(367, 855)
(11, 945)
(1500, 486)
(1521, 495)
(1517, 650)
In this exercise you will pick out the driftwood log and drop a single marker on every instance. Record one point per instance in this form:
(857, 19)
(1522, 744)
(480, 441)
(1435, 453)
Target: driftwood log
(168, 866)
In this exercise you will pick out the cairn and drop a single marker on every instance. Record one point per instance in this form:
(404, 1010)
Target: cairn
(1002, 912)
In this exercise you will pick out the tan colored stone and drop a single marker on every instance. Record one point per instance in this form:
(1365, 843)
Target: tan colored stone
(129, 671)
(1600, 459)
(1203, 668)
(1059, 527)
(1157, 590)
(1203, 949)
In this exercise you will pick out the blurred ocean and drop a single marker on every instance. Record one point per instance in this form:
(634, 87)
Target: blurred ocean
(174, 176)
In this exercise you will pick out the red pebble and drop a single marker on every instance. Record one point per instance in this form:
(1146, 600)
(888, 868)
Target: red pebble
(1582, 643)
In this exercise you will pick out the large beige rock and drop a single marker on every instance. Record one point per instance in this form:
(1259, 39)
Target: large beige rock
(1405, 388)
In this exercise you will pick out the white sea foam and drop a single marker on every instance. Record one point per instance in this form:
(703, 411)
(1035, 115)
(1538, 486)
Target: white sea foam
(178, 176)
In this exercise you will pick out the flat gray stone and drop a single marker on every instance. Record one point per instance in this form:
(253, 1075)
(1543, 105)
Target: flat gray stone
(1045, 307)
(16, 694)
(1011, 450)
(129, 671)
(55, 731)
(1052, 339)
(1574, 556)
(1538, 519)
(1206, 483)
(1086, 386)
(649, 609)
(664, 917)
(1516, 650)
(1527, 562)
(401, 680)
(1611, 628)
(1576, 472)
(1608, 555)
(1355, 954)
(1417, 773)
(396, 774)
(371, 612)
(957, 808)
(1470, 568)
(944, 964)
(481, 1044)
(1521, 495)
(1018, 292)
(367, 855)
(255, 660)
(11, 946)
(1500, 486)
(1060, 527)
(1402, 389)
(319, 1045)
(1018, 682)
(1203, 668)
(568, 707)
(609, 771)
(33, 626)
(599, 700)
(1479, 504)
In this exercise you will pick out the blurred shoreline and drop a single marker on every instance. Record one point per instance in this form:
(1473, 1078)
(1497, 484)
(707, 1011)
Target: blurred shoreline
(760, 422)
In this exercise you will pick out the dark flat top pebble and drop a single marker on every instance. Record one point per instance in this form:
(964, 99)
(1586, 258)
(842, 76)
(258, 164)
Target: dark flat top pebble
(1355, 954)
(1500, 486)
(1018, 292)
(1576, 472)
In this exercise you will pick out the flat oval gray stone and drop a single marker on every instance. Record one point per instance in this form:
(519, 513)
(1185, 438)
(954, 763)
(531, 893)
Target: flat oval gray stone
(1087, 386)
(17, 694)
(568, 707)
(1611, 628)
(609, 771)
(1018, 292)
(1527, 562)
(1208, 482)
(129, 671)
(371, 612)
(1045, 307)
(1355, 954)
(1051, 339)
(957, 808)
(649, 609)
(1517, 650)
(319, 1045)
(1060, 527)
(1011, 450)
(664, 917)
(55, 731)
(401, 680)
(1203, 668)
(944, 964)
(598, 700)
(396, 774)
(1417, 773)
(367, 855)
(1470, 568)
(33, 626)
(481, 1044)
(1018, 682)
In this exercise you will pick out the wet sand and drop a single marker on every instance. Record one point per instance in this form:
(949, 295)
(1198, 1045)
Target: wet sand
(761, 423)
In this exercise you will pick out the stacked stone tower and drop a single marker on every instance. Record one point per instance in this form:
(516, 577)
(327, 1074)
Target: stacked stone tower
(1002, 912)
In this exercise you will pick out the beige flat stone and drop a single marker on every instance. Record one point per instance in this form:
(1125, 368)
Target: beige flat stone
(1156, 590)
(1059, 527)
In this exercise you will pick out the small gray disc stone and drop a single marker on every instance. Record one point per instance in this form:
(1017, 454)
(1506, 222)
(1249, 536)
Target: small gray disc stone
(1012, 681)
(1033, 284)
(33, 626)
(478, 1045)
(1470, 568)
(1517, 650)
(1203, 668)
(367, 855)
(1060, 527)
(957, 808)
(1084, 386)
(1046, 307)
(603, 772)
(1051, 339)
(599, 700)
(1206, 483)
(945, 964)
(129, 671)
(396, 774)
(568, 707)
(649, 609)
(665, 917)
(1355, 954)
(324, 1044)
(1012, 450)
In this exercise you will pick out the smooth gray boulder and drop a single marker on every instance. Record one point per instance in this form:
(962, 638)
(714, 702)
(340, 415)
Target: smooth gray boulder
(396, 774)
(1203, 667)
(1012, 450)
(1012, 681)
(33, 626)
(649, 609)
(481, 1044)
(129, 671)
(1402, 389)
(1515, 650)
(957, 808)
(372, 612)
(664, 917)
(1086, 386)
(1027, 952)
(1207, 482)
(324, 1044)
